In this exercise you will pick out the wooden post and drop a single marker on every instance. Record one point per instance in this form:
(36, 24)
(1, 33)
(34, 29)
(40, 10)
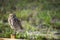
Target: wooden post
(13, 36)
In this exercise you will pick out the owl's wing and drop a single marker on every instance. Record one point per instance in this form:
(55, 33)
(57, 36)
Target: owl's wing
(18, 22)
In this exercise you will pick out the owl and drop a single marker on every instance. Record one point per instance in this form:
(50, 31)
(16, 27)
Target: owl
(14, 23)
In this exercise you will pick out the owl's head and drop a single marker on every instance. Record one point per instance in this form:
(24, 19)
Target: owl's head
(12, 15)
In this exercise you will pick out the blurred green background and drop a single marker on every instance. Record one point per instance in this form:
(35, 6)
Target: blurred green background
(34, 14)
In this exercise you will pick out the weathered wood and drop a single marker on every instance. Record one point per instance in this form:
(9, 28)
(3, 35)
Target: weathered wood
(1, 39)
(10, 39)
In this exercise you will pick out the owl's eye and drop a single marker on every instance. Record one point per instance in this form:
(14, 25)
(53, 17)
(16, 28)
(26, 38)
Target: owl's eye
(11, 15)
(14, 15)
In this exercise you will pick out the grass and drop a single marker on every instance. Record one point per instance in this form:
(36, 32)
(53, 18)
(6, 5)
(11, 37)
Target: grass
(46, 11)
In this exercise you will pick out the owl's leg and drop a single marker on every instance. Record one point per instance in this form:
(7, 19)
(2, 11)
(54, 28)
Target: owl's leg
(13, 35)
(14, 32)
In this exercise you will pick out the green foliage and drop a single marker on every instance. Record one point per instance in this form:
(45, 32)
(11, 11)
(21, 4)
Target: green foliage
(46, 11)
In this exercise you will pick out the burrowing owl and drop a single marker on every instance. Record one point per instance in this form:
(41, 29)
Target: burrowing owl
(14, 23)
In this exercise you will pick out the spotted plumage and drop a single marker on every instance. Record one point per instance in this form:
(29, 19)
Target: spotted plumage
(14, 23)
